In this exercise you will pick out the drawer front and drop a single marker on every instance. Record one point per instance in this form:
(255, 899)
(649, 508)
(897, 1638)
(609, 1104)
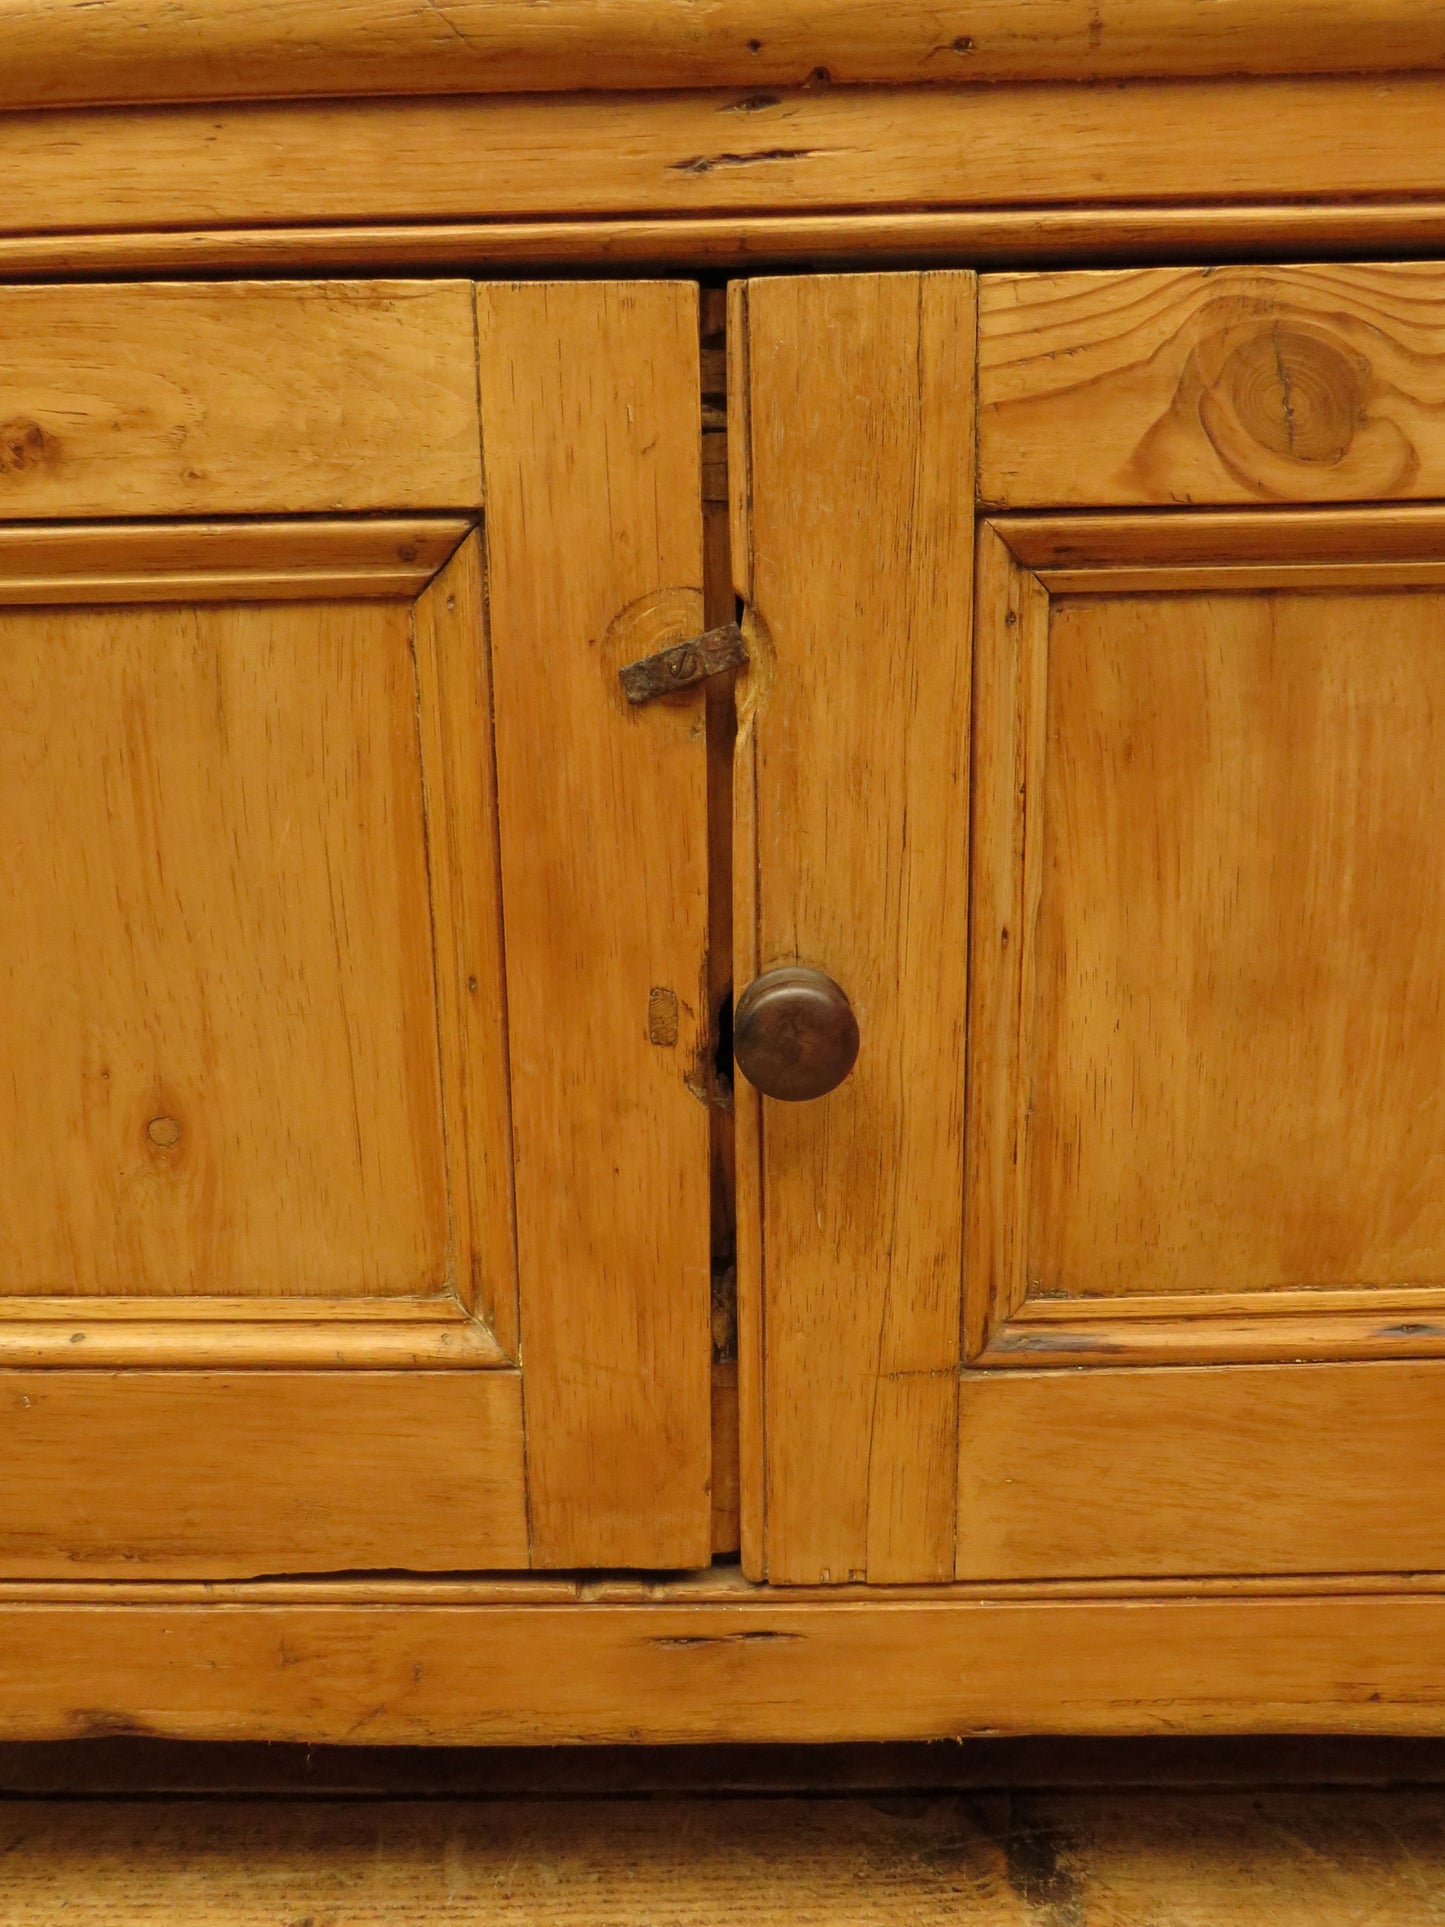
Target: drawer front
(1212, 385)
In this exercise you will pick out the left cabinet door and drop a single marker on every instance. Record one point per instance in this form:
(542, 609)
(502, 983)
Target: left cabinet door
(337, 884)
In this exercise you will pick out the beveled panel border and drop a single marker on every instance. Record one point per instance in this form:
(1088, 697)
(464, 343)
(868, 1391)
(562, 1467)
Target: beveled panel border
(389, 557)
(1024, 561)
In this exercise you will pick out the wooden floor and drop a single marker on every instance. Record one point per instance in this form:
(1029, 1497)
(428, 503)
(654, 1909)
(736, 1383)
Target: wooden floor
(1036, 1836)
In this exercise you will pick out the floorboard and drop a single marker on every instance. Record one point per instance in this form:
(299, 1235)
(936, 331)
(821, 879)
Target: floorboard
(1323, 1856)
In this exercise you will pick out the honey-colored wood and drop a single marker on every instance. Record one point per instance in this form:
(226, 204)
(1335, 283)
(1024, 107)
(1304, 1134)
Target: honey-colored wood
(1087, 230)
(1098, 551)
(1240, 947)
(143, 50)
(1251, 1855)
(1352, 1660)
(1190, 1328)
(1250, 1468)
(1195, 385)
(1206, 987)
(590, 420)
(1307, 1169)
(857, 528)
(262, 1334)
(1008, 691)
(455, 716)
(747, 1103)
(236, 398)
(389, 557)
(216, 1475)
(218, 1013)
(728, 152)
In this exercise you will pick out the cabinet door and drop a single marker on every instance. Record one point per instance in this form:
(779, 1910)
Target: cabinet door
(338, 885)
(1188, 1161)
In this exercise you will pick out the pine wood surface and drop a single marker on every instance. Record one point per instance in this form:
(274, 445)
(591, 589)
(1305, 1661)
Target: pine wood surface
(233, 953)
(1204, 385)
(854, 518)
(237, 398)
(1288, 1466)
(384, 1663)
(68, 50)
(1238, 840)
(1090, 231)
(210, 1474)
(1262, 1857)
(591, 427)
(727, 152)
(391, 558)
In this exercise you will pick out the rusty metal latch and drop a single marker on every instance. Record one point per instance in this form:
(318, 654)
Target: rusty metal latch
(684, 663)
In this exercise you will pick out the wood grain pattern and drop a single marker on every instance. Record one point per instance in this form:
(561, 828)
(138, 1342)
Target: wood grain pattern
(1194, 1328)
(1248, 1469)
(146, 50)
(1241, 977)
(1042, 233)
(449, 634)
(591, 416)
(1009, 685)
(392, 557)
(747, 1103)
(858, 532)
(1049, 235)
(1203, 385)
(1251, 1856)
(1099, 548)
(220, 1023)
(1220, 1246)
(262, 1334)
(1348, 1662)
(239, 397)
(828, 150)
(209, 1474)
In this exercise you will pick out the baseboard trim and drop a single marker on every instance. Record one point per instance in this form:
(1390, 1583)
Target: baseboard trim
(665, 1665)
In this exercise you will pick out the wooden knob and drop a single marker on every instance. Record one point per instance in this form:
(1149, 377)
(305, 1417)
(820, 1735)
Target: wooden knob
(794, 1034)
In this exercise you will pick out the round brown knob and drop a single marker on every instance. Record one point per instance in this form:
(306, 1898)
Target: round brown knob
(794, 1034)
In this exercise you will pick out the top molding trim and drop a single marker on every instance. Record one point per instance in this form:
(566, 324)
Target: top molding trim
(92, 52)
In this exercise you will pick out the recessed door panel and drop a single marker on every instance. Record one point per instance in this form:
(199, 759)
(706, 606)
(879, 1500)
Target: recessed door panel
(1206, 1260)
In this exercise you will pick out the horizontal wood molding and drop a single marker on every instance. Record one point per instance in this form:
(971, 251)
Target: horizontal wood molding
(237, 398)
(765, 1668)
(237, 1334)
(138, 50)
(984, 236)
(224, 561)
(1210, 1330)
(215, 1474)
(1293, 549)
(719, 152)
(1178, 386)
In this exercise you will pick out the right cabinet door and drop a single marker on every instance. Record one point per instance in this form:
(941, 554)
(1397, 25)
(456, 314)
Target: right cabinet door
(1100, 757)
(1204, 1174)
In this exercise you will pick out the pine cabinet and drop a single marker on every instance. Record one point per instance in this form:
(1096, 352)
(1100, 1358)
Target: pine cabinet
(722, 931)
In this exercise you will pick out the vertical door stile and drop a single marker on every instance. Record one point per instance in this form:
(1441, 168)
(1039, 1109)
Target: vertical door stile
(853, 520)
(591, 406)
